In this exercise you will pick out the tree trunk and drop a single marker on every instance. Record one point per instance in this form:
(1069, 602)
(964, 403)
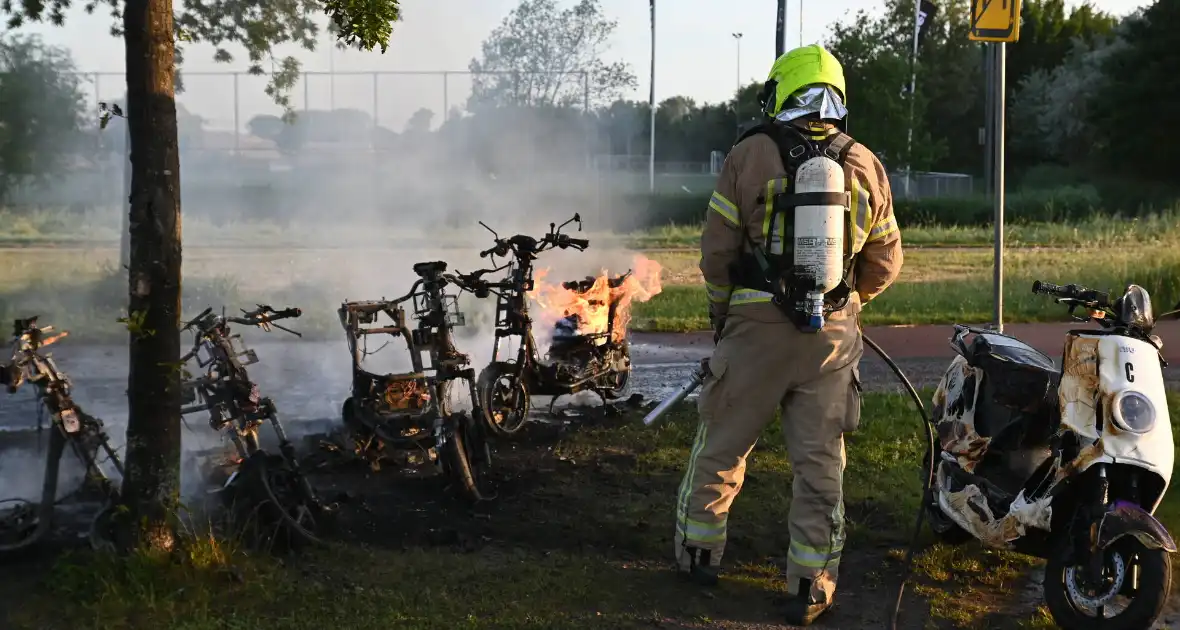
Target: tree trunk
(151, 486)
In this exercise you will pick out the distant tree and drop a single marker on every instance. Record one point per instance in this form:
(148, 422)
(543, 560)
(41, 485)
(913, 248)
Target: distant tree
(544, 56)
(419, 121)
(42, 111)
(1141, 92)
(621, 125)
(288, 137)
(1055, 106)
(875, 74)
(1048, 35)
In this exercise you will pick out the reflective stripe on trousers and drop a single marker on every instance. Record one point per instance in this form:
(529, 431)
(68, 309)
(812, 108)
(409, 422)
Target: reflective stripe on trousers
(759, 371)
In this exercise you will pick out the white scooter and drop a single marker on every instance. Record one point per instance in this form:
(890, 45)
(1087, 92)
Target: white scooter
(1064, 464)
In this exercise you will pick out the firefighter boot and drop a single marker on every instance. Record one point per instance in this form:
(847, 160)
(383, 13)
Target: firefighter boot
(700, 570)
(802, 608)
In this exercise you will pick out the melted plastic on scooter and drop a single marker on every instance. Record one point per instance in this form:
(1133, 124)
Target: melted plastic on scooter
(1021, 378)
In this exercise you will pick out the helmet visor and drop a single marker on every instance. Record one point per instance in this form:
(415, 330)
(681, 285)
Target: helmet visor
(813, 99)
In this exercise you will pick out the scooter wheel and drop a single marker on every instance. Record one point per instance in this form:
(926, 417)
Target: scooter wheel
(616, 384)
(467, 458)
(20, 528)
(279, 514)
(102, 529)
(1075, 604)
(503, 399)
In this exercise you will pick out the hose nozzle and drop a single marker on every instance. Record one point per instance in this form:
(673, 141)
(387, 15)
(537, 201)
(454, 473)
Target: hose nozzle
(697, 378)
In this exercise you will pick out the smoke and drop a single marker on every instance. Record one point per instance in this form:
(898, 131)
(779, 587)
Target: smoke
(337, 206)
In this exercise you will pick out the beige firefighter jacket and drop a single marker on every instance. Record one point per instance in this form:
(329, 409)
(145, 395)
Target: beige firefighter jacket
(738, 203)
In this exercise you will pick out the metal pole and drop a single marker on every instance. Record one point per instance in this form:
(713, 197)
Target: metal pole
(800, 23)
(237, 114)
(373, 136)
(738, 38)
(1001, 80)
(586, 117)
(306, 94)
(101, 145)
(780, 30)
(332, 77)
(989, 117)
(909, 141)
(737, 116)
(651, 160)
(446, 96)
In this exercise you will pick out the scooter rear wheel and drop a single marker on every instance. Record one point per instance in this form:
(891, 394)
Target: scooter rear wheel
(467, 457)
(1077, 605)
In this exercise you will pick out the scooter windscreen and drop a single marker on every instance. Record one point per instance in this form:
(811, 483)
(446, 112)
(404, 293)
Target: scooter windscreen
(1135, 308)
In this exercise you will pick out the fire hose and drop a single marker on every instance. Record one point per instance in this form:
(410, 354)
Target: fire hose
(698, 377)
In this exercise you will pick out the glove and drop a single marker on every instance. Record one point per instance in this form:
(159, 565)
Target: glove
(718, 326)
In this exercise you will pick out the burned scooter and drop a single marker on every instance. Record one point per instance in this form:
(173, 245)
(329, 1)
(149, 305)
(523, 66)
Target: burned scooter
(1067, 465)
(412, 411)
(599, 362)
(27, 524)
(267, 490)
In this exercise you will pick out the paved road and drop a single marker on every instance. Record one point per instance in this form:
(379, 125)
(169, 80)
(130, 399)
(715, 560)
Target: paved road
(309, 380)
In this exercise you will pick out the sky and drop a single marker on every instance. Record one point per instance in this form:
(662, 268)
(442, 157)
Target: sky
(696, 54)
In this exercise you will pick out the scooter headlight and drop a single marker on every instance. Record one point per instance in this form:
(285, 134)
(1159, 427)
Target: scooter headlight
(1134, 412)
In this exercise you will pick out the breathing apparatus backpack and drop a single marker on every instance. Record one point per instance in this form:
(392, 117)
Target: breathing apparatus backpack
(808, 274)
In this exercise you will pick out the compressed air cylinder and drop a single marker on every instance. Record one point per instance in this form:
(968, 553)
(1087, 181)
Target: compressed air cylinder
(819, 234)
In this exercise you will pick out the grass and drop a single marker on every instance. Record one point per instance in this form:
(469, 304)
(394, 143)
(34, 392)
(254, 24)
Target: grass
(55, 226)
(1097, 231)
(586, 540)
(940, 286)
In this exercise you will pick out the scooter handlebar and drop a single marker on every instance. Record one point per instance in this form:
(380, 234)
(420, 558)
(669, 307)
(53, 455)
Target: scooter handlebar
(1072, 292)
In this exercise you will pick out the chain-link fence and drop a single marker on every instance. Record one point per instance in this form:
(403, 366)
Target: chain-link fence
(222, 105)
(355, 144)
(923, 185)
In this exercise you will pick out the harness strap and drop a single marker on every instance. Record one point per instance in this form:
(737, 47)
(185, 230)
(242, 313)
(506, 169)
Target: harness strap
(794, 200)
(795, 148)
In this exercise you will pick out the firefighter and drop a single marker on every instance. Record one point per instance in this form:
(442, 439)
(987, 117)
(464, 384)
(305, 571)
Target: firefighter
(769, 360)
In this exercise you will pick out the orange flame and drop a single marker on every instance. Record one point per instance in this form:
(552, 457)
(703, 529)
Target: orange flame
(592, 307)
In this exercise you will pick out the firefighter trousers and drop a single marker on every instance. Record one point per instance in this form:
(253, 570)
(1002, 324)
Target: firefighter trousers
(760, 370)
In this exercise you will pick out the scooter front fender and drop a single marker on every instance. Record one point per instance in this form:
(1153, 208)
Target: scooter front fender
(1127, 519)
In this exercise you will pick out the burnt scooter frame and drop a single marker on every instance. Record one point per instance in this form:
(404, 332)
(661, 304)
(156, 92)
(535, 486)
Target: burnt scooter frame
(411, 411)
(272, 482)
(71, 426)
(505, 386)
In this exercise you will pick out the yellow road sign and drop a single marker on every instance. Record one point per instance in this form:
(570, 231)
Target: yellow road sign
(995, 20)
